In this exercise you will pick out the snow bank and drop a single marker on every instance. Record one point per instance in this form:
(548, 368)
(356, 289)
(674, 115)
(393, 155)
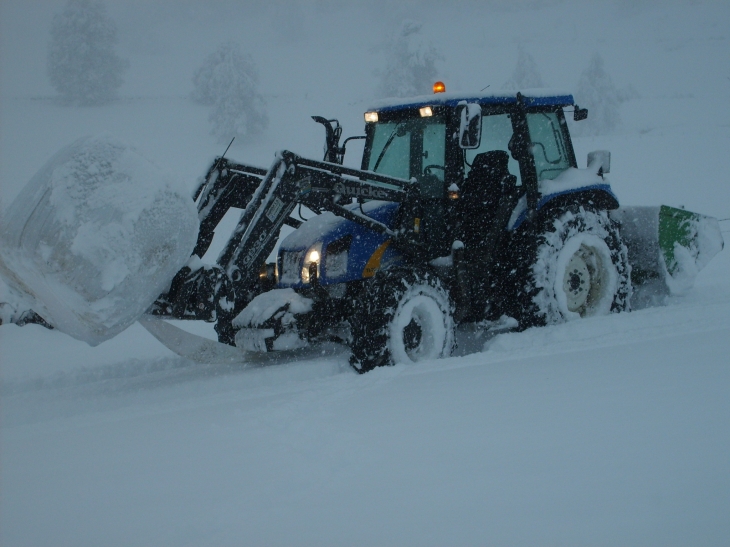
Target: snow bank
(265, 305)
(95, 236)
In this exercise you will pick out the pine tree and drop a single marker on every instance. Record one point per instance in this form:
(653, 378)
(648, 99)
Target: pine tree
(82, 64)
(526, 74)
(228, 81)
(595, 91)
(411, 63)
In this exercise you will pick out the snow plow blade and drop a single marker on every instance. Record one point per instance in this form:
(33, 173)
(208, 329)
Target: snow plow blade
(190, 346)
(667, 246)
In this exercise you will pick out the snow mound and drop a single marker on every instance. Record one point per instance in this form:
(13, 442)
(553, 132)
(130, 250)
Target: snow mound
(95, 236)
(265, 305)
(280, 304)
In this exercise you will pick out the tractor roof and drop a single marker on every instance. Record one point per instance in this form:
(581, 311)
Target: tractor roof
(533, 97)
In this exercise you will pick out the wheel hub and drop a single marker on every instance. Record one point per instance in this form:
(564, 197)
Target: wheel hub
(412, 335)
(577, 280)
(418, 329)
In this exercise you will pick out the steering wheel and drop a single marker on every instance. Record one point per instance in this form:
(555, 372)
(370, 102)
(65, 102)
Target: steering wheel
(427, 169)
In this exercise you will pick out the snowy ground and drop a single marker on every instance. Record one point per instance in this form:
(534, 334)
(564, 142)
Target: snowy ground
(608, 431)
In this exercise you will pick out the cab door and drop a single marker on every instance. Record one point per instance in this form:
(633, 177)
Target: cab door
(416, 148)
(431, 175)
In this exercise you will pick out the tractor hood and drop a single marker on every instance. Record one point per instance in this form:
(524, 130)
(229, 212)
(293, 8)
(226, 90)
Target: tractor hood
(342, 250)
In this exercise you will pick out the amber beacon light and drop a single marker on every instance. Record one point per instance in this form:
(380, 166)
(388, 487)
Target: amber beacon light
(439, 87)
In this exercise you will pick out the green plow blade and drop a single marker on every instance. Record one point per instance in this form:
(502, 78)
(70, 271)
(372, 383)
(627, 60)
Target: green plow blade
(677, 227)
(668, 244)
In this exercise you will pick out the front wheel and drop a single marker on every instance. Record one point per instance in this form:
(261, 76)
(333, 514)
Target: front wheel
(402, 317)
(579, 268)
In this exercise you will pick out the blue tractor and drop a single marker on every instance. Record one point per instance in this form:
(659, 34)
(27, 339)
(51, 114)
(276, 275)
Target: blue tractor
(467, 209)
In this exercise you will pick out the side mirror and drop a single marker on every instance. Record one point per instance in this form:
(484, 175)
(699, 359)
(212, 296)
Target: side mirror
(579, 113)
(599, 161)
(470, 126)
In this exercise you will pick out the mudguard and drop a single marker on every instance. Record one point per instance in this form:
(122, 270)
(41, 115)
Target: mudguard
(582, 185)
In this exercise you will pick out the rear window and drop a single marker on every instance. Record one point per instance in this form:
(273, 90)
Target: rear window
(548, 144)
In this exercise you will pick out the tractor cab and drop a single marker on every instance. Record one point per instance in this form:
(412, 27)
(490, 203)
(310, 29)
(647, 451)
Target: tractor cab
(471, 157)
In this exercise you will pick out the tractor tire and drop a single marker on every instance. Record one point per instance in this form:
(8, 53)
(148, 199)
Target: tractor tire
(577, 267)
(403, 316)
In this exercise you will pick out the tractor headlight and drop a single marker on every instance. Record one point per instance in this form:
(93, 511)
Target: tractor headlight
(290, 267)
(336, 264)
(312, 257)
(335, 258)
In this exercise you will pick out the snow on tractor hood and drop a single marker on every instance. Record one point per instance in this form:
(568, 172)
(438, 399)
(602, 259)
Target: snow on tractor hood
(348, 250)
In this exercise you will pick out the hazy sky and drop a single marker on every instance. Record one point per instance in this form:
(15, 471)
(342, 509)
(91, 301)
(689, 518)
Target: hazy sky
(319, 44)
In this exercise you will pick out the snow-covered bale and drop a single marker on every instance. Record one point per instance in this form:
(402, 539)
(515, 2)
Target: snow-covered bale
(95, 236)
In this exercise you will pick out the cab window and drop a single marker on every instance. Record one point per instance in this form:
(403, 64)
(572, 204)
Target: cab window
(432, 165)
(548, 144)
(396, 147)
(496, 134)
(391, 150)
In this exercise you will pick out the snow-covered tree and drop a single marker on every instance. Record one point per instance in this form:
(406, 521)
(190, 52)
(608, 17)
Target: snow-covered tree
(595, 91)
(228, 81)
(82, 64)
(411, 63)
(526, 74)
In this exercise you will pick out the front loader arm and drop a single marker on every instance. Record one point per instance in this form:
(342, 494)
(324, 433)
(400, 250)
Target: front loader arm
(292, 180)
(218, 293)
(226, 185)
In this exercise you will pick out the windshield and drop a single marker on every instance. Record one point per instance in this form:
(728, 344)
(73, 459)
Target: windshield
(548, 144)
(394, 144)
(391, 150)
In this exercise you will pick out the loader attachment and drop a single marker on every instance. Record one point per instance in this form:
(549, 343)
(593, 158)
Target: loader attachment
(188, 345)
(667, 246)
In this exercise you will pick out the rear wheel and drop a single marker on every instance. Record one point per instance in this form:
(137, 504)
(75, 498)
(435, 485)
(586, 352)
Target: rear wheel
(402, 317)
(579, 268)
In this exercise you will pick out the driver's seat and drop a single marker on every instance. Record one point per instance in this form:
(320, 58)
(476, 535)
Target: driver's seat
(481, 194)
(489, 171)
